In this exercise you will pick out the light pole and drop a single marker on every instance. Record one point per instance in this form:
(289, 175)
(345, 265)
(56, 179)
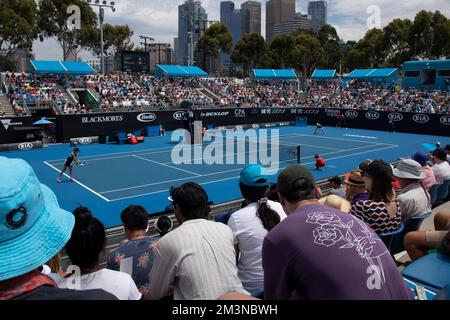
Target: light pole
(415, 45)
(102, 5)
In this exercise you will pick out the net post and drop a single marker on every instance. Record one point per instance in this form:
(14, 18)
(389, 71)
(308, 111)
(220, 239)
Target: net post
(298, 154)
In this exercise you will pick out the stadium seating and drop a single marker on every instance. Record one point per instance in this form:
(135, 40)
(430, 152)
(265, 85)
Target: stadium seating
(412, 224)
(389, 237)
(443, 190)
(433, 192)
(432, 271)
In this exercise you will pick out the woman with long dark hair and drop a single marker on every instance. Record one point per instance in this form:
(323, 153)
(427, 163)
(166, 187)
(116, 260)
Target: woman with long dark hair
(251, 224)
(84, 248)
(381, 211)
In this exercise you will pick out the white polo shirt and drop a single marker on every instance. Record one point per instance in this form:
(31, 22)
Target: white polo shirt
(195, 261)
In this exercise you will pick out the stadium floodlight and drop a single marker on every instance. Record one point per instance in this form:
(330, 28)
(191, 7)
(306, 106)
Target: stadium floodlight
(104, 4)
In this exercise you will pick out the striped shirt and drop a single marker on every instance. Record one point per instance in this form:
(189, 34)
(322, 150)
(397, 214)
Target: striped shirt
(376, 215)
(195, 261)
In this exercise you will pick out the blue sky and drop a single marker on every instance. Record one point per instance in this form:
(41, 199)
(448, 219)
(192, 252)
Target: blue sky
(158, 18)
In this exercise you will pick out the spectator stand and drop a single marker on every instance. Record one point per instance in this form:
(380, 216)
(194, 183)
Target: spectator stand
(324, 75)
(386, 77)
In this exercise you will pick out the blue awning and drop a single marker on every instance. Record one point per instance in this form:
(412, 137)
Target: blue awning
(281, 74)
(43, 66)
(60, 67)
(179, 71)
(77, 67)
(324, 74)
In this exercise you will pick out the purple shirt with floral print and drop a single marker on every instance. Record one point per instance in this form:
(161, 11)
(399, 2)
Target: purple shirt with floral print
(143, 253)
(322, 253)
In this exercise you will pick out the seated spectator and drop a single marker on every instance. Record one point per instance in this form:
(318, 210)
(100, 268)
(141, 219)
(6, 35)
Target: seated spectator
(163, 225)
(380, 211)
(417, 243)
(320, 253)
(197, 260)
(413, 198)
(447, 150)
(441, 167)
(139, 247)
(84, 247)
(33, 230)
(355, 187)
(430, 179)
(336, 187)
(251, 224)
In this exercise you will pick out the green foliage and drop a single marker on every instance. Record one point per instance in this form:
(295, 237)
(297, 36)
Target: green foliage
(249, 52)
(18, 25)
(53, 24)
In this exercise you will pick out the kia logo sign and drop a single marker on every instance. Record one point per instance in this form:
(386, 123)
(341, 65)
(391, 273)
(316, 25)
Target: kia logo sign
(395, 117)
(445, 120)
(146, 117)
(239, 113)
(421, 118)
(25, 146)
(372, 115)
(85, 140)
(351, 114)
(179, 115)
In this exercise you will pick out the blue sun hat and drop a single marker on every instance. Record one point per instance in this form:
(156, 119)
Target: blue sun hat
(33, 228)
(253, 176)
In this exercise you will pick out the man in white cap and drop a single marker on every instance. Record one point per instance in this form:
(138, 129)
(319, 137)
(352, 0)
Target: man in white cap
(414, 199)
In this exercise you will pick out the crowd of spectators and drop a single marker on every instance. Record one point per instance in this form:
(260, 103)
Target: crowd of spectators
(298, 245)
(363, 95)
(123, 92)
(258, 94)
(33, 91)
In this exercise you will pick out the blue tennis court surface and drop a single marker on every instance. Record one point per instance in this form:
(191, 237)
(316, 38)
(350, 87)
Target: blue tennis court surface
(116, 176)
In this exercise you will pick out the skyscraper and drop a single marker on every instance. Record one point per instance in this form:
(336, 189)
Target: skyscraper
(237, 22)
(318, 10)
(254, 8)
(191, 16)
(298, 21)
(278, 11)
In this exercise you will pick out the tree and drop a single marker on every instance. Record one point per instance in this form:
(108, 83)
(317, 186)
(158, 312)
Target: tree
(216, 40)
(281, 48)
(441, 36)
(53, 23)
(395, 42)
(249, 52)
(330, 42)
(421, 35)
(306, 54)
(117, 38)
(368, 52)
(18, 25)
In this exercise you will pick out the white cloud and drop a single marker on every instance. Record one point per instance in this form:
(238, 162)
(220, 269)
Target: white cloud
(159, 18)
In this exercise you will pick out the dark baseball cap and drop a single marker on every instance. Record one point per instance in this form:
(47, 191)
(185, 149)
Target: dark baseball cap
(440, 154)
(289, 178)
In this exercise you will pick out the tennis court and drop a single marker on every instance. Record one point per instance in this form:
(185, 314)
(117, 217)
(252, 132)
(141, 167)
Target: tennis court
(117, 176)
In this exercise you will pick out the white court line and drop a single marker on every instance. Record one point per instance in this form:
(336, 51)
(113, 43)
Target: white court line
(121, 155)
(78, 182)
(216, 173)
(166, 165)
(231, 178)
(324, 154)
(342, 139)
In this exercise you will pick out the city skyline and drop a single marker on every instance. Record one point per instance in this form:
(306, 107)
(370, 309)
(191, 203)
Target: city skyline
(349, 17)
